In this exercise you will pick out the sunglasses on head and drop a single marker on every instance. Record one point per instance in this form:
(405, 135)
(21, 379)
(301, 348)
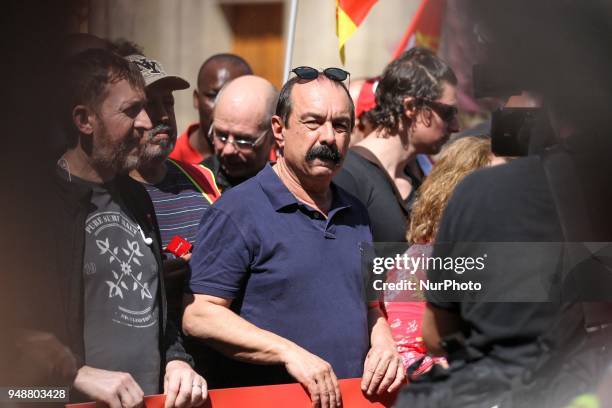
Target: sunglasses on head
(446, 112)
(309, 73)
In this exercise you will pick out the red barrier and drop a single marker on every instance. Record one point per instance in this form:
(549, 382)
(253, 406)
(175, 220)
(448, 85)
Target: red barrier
(284, 395)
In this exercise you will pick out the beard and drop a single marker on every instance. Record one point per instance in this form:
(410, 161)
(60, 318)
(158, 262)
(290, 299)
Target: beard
(117, 157)
(161, 149)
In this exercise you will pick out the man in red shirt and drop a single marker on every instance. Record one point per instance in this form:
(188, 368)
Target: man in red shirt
(193, 145)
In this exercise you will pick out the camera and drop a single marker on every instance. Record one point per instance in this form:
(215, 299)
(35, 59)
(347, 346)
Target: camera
(511, 130)
(516, 131)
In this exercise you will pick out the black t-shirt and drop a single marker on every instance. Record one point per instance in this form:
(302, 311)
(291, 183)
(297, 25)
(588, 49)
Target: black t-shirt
(224, 182)
(511, 203)
(366, 181)
(120, 286)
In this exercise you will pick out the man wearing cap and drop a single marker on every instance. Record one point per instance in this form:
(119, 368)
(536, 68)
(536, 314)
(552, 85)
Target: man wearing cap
(180, 191)
(276, 281)
(194, 145)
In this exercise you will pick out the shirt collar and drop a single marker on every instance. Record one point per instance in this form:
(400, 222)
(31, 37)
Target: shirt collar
(272, 186)
(280, 197)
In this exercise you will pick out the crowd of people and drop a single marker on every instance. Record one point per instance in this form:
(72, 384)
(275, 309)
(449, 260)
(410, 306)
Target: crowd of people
(236, 252)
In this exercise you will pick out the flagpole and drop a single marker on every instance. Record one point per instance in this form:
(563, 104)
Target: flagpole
(290, 37)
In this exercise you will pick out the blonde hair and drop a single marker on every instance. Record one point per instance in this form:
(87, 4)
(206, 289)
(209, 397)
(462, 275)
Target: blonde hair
(456, 161)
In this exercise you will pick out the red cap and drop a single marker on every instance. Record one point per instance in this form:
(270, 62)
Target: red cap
(367, 96)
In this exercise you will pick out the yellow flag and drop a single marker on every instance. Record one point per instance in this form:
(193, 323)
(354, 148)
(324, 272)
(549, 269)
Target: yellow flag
(349, 15)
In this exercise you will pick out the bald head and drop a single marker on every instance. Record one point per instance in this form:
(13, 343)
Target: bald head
(241, 125)
(248, 96)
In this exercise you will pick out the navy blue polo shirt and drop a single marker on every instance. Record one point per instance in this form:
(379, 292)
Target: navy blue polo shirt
(288, 270)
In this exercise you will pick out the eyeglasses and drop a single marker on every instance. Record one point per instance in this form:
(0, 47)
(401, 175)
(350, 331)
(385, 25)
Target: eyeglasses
(335, 74)
(446, 112)
(240, 143)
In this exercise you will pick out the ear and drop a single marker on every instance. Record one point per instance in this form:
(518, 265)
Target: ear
(196, 99)
(409, 107)
(82, 119)
(277, 131)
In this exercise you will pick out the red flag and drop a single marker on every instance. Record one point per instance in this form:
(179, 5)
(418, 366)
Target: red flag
(425, 28)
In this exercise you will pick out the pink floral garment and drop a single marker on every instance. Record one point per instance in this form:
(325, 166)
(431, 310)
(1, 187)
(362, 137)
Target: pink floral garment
(405, 311)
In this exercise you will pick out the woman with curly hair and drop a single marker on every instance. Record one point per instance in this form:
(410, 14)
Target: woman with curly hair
(459, 159)
(405, 310)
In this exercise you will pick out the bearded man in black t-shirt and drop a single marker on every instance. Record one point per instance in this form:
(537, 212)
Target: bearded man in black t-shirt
(107, 298)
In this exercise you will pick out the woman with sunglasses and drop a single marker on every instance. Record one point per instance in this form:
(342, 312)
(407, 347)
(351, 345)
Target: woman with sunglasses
(415, 113)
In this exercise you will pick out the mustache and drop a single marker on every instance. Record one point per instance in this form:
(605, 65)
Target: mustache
(324, 152)
(161, 128)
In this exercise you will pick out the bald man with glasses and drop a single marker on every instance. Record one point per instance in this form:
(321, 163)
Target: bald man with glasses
(240, 131)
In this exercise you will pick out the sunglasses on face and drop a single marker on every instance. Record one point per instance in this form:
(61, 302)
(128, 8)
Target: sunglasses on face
(240, 143)
(309, 73)
(446, 112)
